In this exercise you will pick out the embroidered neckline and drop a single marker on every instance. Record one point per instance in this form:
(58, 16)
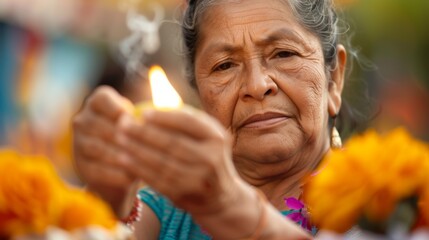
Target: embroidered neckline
(299, 213)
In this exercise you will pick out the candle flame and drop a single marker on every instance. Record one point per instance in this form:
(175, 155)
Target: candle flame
(164, 96)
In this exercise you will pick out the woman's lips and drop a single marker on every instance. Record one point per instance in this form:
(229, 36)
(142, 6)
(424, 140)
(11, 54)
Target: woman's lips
(264, 120)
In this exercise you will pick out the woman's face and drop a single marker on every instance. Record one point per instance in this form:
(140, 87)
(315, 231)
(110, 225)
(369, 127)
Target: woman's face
(262, 75)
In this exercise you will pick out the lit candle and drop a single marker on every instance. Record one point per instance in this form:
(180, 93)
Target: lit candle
(164, 96)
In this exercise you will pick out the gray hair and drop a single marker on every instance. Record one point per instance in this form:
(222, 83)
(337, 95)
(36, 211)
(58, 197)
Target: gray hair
(318, 16)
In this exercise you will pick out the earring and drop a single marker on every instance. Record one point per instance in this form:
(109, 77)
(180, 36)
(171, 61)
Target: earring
(335, 136)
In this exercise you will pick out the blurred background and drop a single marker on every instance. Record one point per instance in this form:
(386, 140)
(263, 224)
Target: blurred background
(54, 53)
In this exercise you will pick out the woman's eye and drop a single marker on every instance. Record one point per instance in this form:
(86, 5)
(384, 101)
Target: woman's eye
(284, 54)
(223, 66)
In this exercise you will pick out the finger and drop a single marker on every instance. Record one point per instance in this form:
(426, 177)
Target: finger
(88, 146)
(173, 178)
(98, 150)
(91, 123)
(149, 153)
(194, 123)
(175, 144)
(160, 169)
(167, 141)
(105, 175)
(140, 154)
(153, 167)
(107, 102)
(158, 165)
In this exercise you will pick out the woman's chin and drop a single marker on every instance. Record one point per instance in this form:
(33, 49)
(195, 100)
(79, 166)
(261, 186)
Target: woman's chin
(269, 149)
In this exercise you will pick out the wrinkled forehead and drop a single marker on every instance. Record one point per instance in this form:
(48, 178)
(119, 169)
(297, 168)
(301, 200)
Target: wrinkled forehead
(235, 20)
(243, 10)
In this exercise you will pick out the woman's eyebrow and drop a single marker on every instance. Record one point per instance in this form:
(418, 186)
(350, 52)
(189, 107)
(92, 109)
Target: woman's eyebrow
(281, 35)
(221, 47)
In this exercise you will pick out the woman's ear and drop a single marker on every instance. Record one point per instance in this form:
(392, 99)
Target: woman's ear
(337, 81)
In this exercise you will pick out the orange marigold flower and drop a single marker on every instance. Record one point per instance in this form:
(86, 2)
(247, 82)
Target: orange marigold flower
(82, 209)
(29, 193)
(366, 178)
(33, 197)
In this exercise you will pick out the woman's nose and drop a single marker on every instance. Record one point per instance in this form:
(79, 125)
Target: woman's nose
(257, 84)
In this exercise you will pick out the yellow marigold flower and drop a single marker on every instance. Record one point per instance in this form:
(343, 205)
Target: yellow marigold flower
(29, 190)
(366, 178)
(82, 209)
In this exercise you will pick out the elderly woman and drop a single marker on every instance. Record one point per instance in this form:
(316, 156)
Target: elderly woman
(269, 74)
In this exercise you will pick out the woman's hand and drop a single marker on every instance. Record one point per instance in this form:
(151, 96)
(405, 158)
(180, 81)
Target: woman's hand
(184, 154)
(96, 154)
(187, 156)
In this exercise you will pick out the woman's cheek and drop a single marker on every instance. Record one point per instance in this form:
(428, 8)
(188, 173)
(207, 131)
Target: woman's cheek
(304, 84)
(218, 101)
(314, 112)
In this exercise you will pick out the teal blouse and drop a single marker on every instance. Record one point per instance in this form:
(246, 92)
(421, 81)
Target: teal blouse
(175, 223)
